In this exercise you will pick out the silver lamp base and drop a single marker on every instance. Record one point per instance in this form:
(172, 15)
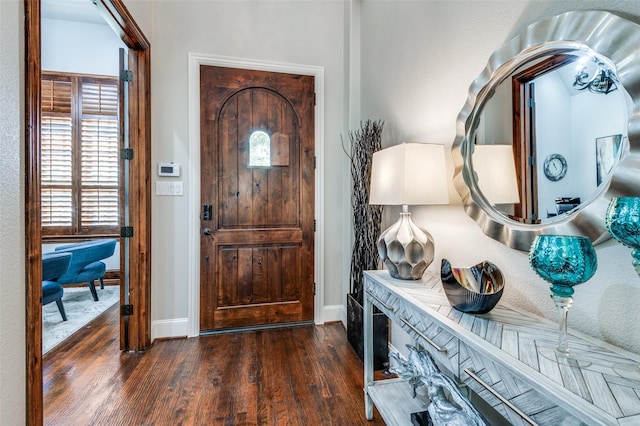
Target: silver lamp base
(406, 249)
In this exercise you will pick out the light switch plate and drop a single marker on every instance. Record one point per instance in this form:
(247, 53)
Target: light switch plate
(169, 188)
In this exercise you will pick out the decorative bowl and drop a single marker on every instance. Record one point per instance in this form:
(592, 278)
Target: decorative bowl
(476, 289)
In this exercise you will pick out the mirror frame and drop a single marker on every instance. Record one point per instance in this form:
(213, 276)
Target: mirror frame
(612, 38)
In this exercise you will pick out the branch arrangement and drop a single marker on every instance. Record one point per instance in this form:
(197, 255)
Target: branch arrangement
(366, 218)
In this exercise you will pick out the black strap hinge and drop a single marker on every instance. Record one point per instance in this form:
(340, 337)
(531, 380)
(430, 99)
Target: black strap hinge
(126, 232)
(126, 310)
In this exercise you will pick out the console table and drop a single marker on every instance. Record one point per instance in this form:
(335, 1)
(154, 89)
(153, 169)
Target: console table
(505, 356)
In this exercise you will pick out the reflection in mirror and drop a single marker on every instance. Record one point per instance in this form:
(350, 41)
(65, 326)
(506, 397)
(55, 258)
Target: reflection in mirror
(259, 149)
(495, 171)
(553, 112)
(601, 80)
(563, 95)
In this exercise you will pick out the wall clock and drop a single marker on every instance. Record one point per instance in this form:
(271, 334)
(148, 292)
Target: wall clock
(555, 167)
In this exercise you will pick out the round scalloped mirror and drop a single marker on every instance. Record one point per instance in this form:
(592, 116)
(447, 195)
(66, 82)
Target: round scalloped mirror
(588, 131)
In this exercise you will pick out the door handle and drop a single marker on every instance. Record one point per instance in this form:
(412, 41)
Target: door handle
(206, 231)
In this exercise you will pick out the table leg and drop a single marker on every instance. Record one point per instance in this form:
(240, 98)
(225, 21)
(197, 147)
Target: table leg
(368, 355)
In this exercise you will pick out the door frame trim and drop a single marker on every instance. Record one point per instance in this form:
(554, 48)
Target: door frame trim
(195, 61)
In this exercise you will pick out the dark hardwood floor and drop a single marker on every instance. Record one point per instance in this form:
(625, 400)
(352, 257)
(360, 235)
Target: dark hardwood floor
(289, 376)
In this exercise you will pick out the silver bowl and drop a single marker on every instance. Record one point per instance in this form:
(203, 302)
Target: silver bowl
(474, 290)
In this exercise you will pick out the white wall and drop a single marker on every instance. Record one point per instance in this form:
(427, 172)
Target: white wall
(418, 61)
(496, 123)
(553, 136)
(305, 33)
(12, 264)
(607, 116)
(84, 48)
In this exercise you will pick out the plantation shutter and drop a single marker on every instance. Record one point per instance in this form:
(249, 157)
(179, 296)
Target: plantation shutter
(80, 161)
(99, 151)
(56, 153)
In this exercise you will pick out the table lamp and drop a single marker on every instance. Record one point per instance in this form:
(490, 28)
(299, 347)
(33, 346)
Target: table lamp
(408, 174)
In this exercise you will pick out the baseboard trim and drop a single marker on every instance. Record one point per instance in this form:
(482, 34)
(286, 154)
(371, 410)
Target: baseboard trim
(179, 327)
(333, 313)
(161, 329)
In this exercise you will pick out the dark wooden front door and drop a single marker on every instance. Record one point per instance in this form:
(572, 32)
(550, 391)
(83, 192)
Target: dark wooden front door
(257, 194)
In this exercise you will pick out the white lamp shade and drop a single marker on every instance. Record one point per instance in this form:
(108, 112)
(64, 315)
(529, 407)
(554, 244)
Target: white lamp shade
(409, 174)
(496, 173)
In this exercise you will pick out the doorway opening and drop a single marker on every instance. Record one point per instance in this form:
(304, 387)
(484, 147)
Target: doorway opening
(524, 134)
(137, 328)
(82, 118)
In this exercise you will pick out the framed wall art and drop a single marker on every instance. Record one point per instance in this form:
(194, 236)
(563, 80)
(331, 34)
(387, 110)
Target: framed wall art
(607, 149)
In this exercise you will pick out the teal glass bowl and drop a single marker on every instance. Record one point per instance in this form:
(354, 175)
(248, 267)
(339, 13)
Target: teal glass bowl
(623, 220)
(563, 260)
(623, 223)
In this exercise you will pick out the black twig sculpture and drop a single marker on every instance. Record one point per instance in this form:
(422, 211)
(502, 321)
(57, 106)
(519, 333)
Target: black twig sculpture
(366, 218)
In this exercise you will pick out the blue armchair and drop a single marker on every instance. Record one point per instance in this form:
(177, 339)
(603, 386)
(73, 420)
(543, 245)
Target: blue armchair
(54, 265)
(86, 263)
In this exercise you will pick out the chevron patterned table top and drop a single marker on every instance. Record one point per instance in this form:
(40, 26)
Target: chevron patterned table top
(599, 384)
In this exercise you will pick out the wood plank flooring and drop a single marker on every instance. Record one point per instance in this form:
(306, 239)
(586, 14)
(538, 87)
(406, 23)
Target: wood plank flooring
(290, 376)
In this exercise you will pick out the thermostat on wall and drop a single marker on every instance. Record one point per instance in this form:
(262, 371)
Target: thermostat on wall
(168, 169)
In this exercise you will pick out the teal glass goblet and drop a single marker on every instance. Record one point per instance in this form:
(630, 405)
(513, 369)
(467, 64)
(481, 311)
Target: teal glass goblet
(564, 261)
(623, 223)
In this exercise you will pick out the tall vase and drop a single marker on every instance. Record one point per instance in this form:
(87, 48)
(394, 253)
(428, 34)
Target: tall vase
(623, 223)
(564, 261)
(367, 220)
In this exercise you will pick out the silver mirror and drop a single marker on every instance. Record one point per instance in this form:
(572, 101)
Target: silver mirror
(594, 55)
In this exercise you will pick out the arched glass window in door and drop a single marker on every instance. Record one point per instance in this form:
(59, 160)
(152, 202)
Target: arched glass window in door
(259, 149)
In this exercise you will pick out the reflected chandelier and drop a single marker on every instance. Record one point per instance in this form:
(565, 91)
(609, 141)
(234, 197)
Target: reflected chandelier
(604, 81)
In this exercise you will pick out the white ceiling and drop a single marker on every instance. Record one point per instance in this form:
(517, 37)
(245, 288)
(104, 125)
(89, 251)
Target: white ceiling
(71, 10)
